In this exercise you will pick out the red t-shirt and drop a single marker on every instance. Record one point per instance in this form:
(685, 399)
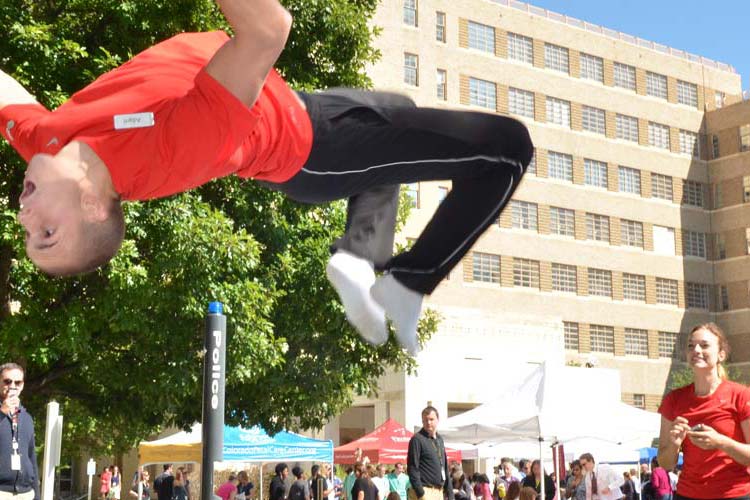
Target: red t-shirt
(711, 473)
(200, 130)
(104, 480)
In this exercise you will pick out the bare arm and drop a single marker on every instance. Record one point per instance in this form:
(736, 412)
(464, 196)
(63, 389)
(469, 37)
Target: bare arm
(261, 28)
(709, 439)
(12, 92)
(671, 436)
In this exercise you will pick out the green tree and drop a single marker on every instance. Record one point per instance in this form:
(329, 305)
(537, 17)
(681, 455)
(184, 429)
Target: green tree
(681, 375)
(120, 349)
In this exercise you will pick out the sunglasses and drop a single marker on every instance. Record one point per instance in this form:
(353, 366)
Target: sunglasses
(9, 381)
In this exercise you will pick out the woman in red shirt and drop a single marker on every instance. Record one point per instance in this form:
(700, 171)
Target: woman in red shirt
(710, 420)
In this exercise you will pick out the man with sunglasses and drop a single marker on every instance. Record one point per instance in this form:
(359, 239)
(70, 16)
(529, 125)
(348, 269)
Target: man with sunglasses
(19, 476)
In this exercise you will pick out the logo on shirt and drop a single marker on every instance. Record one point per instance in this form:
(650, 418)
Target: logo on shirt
(134, 120)
(9, 126)
(52, 142)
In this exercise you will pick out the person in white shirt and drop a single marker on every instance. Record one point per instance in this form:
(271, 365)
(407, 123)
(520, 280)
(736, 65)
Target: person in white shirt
(602, 482)
(381, 482)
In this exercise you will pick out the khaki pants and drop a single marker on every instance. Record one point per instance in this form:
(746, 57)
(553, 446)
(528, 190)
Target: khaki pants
(429, 494)
(5, 495)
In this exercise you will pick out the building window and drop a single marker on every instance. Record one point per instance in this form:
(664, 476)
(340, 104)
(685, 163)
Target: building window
(411, 69)
(560, 166)
(717, 195)
(656, 85)
(634, 287)
(745, 138)
(410, 12)
(594, 173)
(531, 169)
(570, 331)
(666, 291)
(481, 37)
(526, 273)
(556, 58)
(639, 401)
(482, 93)
(558, 111)
(629, 180)
(721, 247)
(593, 120)
(440, 27)
(442, 84)
(664, 240)
(668, 345)
(597, 227)
(692, 193)
(658, 135)
(486, 267)
(626, 127)
(636, 342)
(694, 244)
(719, 98)
(562, 221)
(624, 76)
(520, 48)
(687, 93)
(723, 298)
(521, 102)
(631, 233)
(746, 188)
(600, 282)
(412, 192)
(592, 67)
(697, 296)
(689, 143)
(715, 146)
(524, 215)
(564, 278)
(442, 193)
(602, 338)
(661, 186)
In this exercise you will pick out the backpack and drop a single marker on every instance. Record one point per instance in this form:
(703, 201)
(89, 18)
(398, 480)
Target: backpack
(296, 492)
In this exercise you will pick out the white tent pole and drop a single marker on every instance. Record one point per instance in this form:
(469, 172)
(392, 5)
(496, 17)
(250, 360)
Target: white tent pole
(261, 481)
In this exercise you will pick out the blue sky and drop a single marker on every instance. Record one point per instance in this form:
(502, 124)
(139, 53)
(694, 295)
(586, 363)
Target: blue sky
(719, 30)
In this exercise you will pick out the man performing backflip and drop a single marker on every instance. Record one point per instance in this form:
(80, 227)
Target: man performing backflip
(201, 105)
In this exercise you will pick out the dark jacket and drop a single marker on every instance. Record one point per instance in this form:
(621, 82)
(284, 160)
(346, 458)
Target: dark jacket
(549, 486)
(27, 478)
(423, 464)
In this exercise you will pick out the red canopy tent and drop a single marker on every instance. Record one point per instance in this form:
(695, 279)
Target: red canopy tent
(387, 444)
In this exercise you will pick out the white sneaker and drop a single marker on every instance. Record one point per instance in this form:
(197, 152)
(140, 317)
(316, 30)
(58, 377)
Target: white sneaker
(402, 306)
(352, 277)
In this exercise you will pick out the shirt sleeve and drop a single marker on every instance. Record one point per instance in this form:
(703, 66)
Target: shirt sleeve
(18, 124)
(205, 127)
(743, 403)
(666, 409)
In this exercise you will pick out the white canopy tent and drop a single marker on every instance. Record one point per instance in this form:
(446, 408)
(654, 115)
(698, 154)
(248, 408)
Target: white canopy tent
(556, 404)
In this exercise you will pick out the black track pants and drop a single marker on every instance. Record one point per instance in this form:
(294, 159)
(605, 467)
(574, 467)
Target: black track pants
(365, 144)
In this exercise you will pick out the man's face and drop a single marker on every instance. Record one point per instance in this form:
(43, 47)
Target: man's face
(430, 422)
(399, 468)
(644, 468)
(527, 468)
(12, 383)
(506, 469)
(587, 465)
(381, 470)
(285, 473)
(51, 212)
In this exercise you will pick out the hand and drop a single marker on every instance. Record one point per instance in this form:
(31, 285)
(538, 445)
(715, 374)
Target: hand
(679, 431)
(12, 402)
(707, 438)
(605, 491)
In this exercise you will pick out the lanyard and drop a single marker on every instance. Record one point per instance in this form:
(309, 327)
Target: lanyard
(14, 430)
(433, 441)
